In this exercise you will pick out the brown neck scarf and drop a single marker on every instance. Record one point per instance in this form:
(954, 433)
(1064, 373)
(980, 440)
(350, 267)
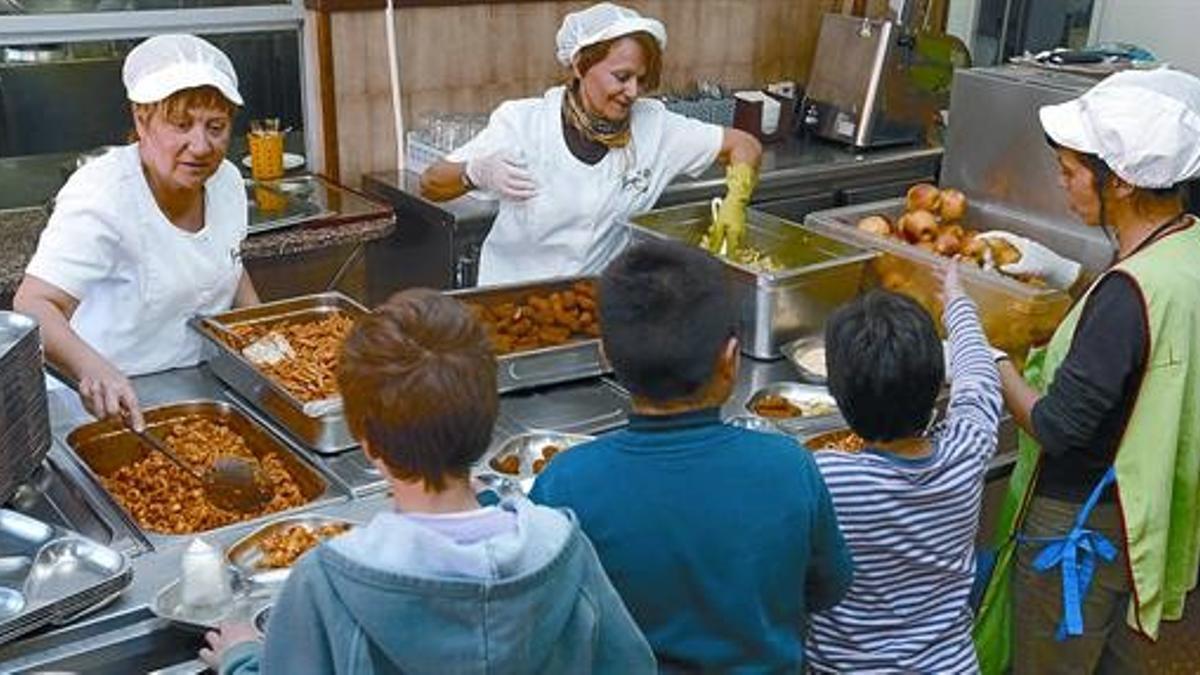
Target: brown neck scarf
(593, 127)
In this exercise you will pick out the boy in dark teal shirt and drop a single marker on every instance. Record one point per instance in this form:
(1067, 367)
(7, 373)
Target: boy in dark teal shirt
(720, 540)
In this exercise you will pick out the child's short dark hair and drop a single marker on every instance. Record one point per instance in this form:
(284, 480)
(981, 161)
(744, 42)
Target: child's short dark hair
(418, 384)
(665, 316)
(885, 365)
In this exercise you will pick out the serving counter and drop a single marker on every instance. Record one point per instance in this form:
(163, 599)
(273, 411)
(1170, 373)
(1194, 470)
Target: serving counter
(126, 636)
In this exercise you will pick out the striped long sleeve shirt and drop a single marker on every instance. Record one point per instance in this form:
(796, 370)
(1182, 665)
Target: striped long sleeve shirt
(910, 525)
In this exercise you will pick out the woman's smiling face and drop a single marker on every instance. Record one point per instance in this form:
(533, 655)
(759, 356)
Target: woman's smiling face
(610, 87)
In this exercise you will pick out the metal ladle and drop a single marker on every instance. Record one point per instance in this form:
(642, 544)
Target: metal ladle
(230, 483)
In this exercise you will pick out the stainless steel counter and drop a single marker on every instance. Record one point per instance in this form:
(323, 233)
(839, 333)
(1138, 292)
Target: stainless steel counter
(127, 637)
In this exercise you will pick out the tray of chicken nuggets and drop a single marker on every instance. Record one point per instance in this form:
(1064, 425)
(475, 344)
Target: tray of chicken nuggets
(543, 332)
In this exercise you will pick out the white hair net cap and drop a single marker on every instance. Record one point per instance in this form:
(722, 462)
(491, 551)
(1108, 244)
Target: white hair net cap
(165, 64)
(1145, 125)
(600, 22)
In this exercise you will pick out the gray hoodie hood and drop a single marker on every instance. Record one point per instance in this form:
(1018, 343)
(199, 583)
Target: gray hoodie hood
(505, 604)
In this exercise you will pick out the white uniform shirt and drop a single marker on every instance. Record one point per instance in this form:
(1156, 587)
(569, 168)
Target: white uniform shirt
(575, 224)
(138, 277)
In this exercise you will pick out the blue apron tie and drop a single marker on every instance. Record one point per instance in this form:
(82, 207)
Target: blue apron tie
(1076, 554)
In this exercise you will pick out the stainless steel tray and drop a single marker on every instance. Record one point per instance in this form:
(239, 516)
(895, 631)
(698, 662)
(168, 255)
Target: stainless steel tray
(105, 446)
(579, 359)
(246, 552)
(796, 350)
(818, 273)
(800, 395)
(49, 575)
(320, 426)
(250, 596)
(528, 448)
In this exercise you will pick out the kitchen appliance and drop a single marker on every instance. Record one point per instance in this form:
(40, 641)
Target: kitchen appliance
(860, 91)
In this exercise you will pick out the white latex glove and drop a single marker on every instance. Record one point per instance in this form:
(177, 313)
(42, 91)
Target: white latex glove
(504, 177)
(1037, 260)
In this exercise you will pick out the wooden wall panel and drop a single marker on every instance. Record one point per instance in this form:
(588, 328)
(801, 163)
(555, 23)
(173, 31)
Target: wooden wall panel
(469, 58)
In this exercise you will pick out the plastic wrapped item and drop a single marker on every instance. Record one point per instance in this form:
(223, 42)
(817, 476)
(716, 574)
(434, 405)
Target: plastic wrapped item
(204, 577)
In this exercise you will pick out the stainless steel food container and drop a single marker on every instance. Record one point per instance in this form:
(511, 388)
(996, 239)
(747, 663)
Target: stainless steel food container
(818, 273)
(103, 447)
(49, 575)
(799, 395)
(319, 425)
(246, 552)
(576, 360)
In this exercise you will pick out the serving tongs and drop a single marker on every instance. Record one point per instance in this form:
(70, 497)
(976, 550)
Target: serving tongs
(231, 483)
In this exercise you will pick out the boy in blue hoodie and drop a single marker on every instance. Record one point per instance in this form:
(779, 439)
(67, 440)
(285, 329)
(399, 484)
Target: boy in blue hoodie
(721, 540)
(437, 583)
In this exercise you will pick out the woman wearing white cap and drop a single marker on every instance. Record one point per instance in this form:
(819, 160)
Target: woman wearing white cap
(1101, 528)
(148, 235)
(570, 166)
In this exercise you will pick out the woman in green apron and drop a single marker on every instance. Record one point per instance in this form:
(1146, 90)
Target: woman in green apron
(1101, 525)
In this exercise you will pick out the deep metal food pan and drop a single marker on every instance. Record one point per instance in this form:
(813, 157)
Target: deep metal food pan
(319, 425)
(106, 446)
(581, 358)
(817, 274)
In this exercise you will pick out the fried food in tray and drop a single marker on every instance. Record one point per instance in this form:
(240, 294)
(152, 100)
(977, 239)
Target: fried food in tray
(283, 547)
(540, 319)
(510, 463)
(309, 375)
(842, 440)
(163, 498)
(777, 406)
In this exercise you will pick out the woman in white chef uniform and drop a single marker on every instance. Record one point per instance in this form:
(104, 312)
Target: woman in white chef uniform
(147, 235)
(570, 166)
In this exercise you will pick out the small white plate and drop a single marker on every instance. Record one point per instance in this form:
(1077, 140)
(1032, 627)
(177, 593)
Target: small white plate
(290, 161)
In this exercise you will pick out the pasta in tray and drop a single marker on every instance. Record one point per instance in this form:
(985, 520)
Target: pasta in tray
(163, 498)
(311, 374)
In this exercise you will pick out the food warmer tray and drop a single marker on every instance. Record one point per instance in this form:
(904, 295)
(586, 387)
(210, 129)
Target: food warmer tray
(1015, 315)
(50, 575)
(576, 360)
(797, 393)
(527, 447)
(818, 273)
(320, 427)
(246, 552)
(105, 446)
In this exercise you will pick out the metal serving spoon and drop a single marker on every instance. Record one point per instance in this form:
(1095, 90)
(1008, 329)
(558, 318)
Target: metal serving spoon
(230, 483)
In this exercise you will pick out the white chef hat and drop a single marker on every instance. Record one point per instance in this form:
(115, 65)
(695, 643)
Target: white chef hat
(165, 64)
(1145, 125)
(600, 22)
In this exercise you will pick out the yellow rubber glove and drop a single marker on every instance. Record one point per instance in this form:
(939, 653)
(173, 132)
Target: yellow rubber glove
(728, 230)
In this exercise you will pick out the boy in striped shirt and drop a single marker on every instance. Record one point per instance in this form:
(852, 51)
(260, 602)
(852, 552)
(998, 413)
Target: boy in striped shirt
(909, 503)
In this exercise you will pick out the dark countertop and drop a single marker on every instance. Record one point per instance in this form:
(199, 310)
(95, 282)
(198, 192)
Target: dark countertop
(343, 216)
(789, 168)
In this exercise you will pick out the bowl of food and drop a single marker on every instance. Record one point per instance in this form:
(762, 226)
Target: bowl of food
(280, 543)
(807, 355)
